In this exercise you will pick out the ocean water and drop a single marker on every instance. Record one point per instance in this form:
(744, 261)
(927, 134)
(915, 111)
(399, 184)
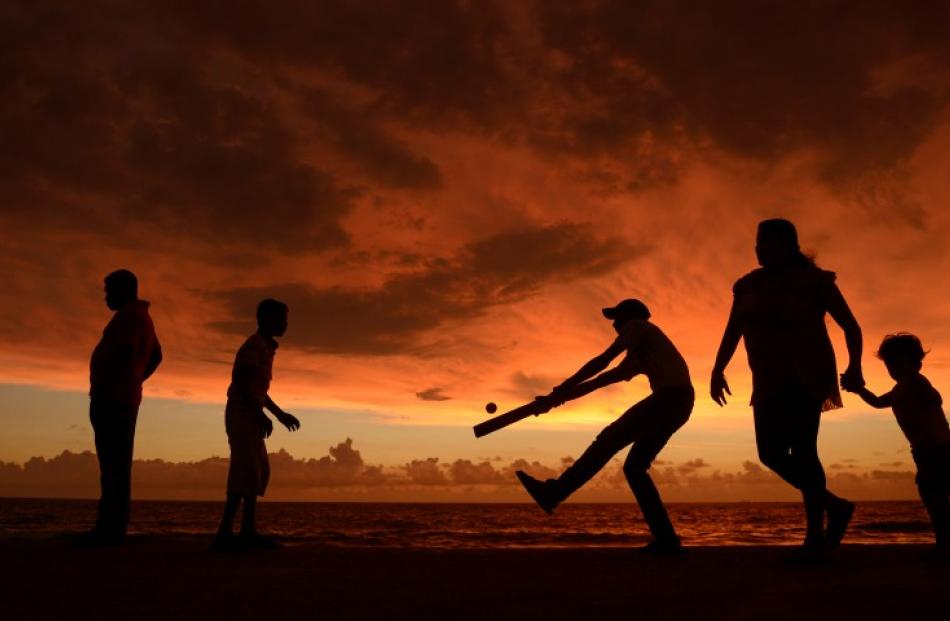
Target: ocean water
(476, 525)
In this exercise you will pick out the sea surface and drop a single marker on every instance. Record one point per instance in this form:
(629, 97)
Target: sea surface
(390, 525)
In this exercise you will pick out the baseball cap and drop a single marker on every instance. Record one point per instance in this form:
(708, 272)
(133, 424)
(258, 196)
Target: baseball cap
(628, 309)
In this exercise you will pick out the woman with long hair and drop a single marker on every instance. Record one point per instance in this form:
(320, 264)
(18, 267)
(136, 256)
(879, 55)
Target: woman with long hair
(779, 310)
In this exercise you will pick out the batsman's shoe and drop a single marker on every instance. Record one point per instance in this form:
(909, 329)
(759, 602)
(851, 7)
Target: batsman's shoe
(541, 492)
(665, 547)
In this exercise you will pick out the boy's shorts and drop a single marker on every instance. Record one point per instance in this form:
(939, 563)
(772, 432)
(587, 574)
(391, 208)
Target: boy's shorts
(249, 469)
(933, 469)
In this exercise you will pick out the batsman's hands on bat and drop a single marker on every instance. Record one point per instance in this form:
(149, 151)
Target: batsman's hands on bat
(719, 387)
(555, 398)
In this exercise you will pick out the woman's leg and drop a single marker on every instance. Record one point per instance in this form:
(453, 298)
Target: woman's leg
(786, 432)
(803, 449)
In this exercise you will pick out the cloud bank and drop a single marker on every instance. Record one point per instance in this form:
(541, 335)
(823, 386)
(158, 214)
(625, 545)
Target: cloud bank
(344, 474)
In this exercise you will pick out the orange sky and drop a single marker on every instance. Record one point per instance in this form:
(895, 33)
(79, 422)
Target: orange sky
(446, 195)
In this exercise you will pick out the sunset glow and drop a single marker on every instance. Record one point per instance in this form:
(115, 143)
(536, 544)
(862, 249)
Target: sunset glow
(446, 195)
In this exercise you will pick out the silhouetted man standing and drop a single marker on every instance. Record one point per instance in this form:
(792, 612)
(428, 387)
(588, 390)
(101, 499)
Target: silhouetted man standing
(127, 354)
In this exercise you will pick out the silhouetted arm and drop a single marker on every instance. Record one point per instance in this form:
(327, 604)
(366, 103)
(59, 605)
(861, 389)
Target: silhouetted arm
(286, 419)
(718, 387)
(884, 401)
(594, 366)
(841, 313)
(120, 359)
(154, 361)
(623, 372)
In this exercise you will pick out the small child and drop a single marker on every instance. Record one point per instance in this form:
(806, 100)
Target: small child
(247, 425)
(918, 408)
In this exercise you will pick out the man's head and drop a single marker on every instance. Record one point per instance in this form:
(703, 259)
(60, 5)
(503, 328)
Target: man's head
(272, 317)
(122, 287)
(625, 311)
(902, 353)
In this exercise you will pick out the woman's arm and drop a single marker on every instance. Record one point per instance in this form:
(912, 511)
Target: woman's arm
(718, 387)
(841, 313)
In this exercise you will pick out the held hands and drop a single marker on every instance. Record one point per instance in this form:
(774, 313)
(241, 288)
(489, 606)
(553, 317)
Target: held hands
(852, 379)
(289, 421)
(719, 388)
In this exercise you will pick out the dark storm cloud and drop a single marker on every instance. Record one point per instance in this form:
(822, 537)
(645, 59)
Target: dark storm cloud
(395, 317)
(430, 61)
(153, 116)
(448, 66)
(761, 79)
(110, 124)
(387, 160)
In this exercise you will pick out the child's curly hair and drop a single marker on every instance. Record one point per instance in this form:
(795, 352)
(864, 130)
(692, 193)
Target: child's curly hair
(901, 345)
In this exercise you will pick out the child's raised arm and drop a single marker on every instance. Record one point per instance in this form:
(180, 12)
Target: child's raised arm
(875, 401)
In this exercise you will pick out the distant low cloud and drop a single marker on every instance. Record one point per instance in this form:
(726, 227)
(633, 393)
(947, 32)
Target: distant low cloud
(344, 469)
(692, 466)
(527, 386)
(433, 394)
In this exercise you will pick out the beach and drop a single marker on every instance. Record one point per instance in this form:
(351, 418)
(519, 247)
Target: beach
(161, 577)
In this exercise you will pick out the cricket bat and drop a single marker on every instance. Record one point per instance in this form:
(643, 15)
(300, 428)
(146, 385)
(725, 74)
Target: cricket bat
(534, 408)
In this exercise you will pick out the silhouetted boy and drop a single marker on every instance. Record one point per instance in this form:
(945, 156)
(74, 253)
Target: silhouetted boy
(648, 425)
(247, 425)
(127, 354)
(918, 409)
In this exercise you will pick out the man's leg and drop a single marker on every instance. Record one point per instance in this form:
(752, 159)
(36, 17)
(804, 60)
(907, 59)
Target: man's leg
(248, 517)
(127, 416)
(608, 443)
(231, 504)
(671, 413)
(103, 426)
(651, 505)
(249, 536)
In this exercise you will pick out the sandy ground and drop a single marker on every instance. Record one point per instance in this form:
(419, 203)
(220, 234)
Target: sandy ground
(156, 578)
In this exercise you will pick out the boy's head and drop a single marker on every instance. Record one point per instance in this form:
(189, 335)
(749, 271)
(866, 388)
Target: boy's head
(902, 353)
(121, 287)
(625, 311)
(272, 317)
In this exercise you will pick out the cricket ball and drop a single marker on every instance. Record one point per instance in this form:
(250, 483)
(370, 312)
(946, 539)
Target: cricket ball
(490, 407)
